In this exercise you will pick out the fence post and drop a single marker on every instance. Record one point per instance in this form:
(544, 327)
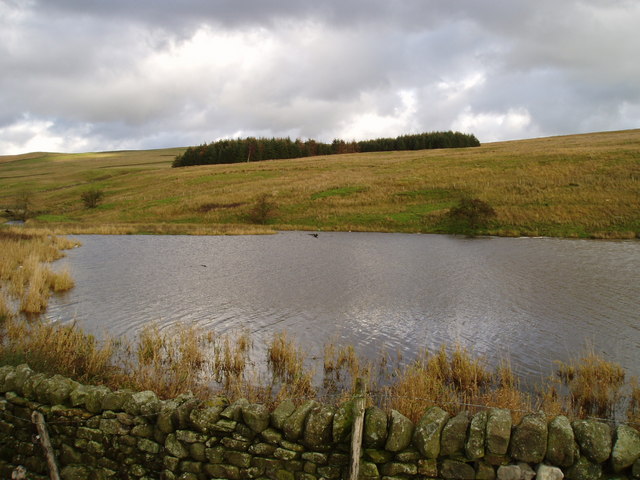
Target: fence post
(358, 426)
(43, 436)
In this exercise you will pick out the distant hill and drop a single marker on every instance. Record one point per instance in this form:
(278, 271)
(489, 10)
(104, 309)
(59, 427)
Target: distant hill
(572, 186)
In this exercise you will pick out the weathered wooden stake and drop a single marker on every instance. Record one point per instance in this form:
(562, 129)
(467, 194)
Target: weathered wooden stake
(43, 436)
(358, 427)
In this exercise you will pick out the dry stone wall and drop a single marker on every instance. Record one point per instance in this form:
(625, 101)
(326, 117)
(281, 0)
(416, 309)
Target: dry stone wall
(97, 433)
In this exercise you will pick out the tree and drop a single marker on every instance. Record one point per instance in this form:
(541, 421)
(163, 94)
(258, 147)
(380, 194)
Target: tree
(92, 197)
(470, 215)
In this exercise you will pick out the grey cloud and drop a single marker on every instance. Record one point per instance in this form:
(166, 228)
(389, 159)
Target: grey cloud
(152, 73)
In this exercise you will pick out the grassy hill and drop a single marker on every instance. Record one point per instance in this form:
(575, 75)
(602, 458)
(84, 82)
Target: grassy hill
(575, 186)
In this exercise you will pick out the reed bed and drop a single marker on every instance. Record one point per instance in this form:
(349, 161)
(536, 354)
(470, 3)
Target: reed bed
(185, 359)
(25, 276)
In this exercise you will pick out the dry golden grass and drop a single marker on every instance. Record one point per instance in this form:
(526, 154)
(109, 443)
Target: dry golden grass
(286, 359)
(61, 281)
(24, 274)
(52, 348)
(574, 186)
(594, 383)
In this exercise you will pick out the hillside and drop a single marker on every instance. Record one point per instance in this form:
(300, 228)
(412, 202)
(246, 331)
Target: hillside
(574, 186)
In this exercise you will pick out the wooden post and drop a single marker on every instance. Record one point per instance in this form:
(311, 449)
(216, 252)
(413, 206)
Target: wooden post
(43, 436)
(358, 427)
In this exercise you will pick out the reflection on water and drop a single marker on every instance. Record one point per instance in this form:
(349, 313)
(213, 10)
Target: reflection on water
(535, 299)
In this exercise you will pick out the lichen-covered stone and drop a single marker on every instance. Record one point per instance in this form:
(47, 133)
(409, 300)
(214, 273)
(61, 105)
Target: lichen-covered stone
(454, 435)
(594, 439)
(4, 371)
(498, 431)
(294, 424)
(239, 459)
(510, 472)
(400, 432)
(8, 383)
(561, 443)
(30, 387)
(186, 404)
(377, 456)
(626, 449)
(375, 427)
(452, 469)
(281, 413)
(164, 420)
(428, 467)
(215, 454)
(271, 436)
(174, 447)
(256, 417)
(474, 446)
(584, 469)
(484, 471)
(144, 403)
(234, 411)
(284, 454)
(547, 472)
(408, 455)
(22, 373)
(426, 436)
(187, 436)
(75, 472)
(204, 418)
(115, 401)
(529, 439)
(319, 427)
(148, 446)
(343, 422)
(94, 396)
(396, 468)
(55, 390)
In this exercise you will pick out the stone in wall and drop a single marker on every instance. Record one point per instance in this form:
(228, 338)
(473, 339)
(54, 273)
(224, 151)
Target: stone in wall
(454, 435)
(375, 428)
(426, 436)
(256, 417)
(318, 432)
(294, 424)
(594, 439)
(498, 431)
(529, 439)
(626, 450)
(474, 446)
(562, 449)
(585, 469)
(343, 422)
(400, 432)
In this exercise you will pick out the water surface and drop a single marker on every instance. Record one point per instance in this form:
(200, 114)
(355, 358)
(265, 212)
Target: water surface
(533, 299)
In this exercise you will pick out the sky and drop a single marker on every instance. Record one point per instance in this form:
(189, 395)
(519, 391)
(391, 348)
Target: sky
(96, 75)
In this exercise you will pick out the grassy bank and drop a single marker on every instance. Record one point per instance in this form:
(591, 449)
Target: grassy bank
(572, 186)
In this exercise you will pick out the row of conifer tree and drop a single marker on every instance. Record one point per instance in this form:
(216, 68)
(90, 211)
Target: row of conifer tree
(257, 149)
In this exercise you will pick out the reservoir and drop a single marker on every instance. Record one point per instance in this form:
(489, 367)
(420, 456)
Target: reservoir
(533, 300)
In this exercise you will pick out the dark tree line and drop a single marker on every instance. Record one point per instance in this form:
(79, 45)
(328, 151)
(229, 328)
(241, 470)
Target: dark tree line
(257, 149)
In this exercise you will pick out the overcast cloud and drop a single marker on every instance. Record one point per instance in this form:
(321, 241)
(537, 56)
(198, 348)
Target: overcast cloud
(104, 75)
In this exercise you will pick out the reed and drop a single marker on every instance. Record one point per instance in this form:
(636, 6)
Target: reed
(63, 349)
(594, 383)
(285, 358)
